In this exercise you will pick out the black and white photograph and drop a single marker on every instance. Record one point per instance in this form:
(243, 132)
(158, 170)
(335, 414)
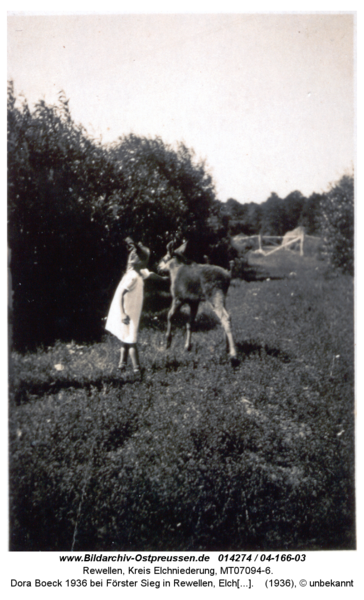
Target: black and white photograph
(180, 204)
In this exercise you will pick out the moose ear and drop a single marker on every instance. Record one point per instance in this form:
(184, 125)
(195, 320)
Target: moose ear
(182, 257)
(129, 242)
(170, 246)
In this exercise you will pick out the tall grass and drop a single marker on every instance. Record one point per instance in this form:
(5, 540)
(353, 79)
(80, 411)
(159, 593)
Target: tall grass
(199, 455)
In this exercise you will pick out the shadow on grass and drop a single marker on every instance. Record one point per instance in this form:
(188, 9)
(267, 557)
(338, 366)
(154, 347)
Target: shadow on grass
(259, 273)
(205, 321)
(265, 276)
(254, 348)
(21, 394)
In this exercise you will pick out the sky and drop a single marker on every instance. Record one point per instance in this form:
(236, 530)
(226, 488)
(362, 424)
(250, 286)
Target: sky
(267, 100)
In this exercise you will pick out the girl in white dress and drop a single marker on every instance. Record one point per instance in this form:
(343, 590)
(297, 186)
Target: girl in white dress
(126, 306)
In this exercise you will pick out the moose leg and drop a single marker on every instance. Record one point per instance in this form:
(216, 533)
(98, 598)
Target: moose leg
(193, 312)
(219, 309)
(227, 343)
(172, 311)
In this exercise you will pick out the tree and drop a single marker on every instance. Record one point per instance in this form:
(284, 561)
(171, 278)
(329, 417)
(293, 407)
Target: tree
(337, 224)
(168, 193)
(310, 214)
(254, 218)
(293, 205)
(58, 179)
(273, 216)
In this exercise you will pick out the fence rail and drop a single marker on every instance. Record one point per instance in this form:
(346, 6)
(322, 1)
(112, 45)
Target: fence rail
(261, 238)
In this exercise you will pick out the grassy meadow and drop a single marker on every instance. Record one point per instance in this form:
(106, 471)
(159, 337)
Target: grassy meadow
(199, 455)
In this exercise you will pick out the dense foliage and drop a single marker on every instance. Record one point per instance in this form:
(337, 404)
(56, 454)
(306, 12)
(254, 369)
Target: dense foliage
(57, 180)
(337, 224)
(168, 195)
(198, 456)
(275, 216)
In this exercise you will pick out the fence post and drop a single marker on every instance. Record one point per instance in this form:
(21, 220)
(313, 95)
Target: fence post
(302, 243)
(260, 242)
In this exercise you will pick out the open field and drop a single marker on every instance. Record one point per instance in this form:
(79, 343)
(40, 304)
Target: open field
(199, 455)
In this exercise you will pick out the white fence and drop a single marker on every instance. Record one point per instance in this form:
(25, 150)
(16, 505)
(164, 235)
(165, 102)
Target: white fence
(268, 244)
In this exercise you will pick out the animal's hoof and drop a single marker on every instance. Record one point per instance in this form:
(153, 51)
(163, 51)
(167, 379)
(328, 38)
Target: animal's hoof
(234, 361)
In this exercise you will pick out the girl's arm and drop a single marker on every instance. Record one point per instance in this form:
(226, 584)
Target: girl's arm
(154, 277)
(124, 317)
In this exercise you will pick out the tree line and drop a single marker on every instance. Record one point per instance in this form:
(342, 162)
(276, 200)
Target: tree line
(72, 201)
(276, 215)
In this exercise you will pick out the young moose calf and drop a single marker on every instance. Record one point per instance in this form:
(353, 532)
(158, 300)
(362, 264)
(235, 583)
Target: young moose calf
(192, 283)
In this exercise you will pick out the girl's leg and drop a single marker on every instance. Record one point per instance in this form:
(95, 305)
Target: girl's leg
(134, 358)
(124, 351)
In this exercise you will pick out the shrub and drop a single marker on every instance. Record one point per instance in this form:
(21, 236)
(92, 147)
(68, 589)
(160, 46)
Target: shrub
(168, 195)
(337, 224)
(58, 178)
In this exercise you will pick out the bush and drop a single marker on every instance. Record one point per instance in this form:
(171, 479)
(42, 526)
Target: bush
(337, 224)
(168, 195)
(58, 179)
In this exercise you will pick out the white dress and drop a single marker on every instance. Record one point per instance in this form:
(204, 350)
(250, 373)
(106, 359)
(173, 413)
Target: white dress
(133, 283)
